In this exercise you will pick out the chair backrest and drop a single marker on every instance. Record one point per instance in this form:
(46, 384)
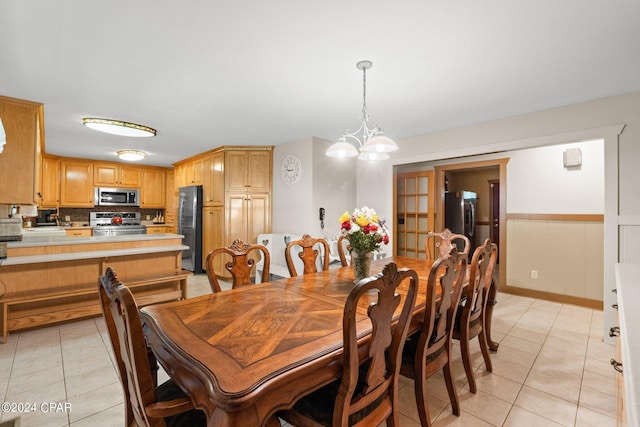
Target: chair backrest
(483, 263)
(360, 388)
(343, 250)
(240, 265)
(125, 331)
(310, 249)
(439, 244)
(444, 285)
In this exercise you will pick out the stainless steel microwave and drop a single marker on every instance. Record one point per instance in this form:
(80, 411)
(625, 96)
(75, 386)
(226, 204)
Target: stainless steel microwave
(116, 196)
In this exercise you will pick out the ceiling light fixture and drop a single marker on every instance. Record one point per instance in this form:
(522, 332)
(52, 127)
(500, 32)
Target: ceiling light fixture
(374, 145)
(117, 127)
(132, 155)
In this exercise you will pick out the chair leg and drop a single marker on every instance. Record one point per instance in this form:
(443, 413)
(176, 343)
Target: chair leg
(421, 396)
(451, 388)
(484, 347)
(466, 361)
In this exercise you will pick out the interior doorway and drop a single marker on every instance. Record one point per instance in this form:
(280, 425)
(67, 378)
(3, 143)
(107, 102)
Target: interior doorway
(472, 176)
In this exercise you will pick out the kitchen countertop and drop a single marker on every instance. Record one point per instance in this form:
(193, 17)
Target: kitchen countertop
(47, 239)
(628, 291)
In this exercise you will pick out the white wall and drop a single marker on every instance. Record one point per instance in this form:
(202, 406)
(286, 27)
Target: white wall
(325, 182)
(539, 183)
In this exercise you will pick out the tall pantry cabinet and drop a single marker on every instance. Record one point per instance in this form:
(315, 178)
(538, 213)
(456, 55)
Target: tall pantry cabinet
(237, 189)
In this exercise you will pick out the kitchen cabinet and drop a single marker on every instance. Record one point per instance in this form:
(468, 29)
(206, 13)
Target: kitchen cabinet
(116, 175)
(76, 187)
(49, 194)
(77, 232)
(236, 184)
(152, 194)
(158, 229)
(171, 202)
(23, 122)
(213, 180)
(248, 170)
(212, 220)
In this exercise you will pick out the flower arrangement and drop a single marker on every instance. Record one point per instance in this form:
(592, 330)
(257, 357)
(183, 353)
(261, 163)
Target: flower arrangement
(365, 230)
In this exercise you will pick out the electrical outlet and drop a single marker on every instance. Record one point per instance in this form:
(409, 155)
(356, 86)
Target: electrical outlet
(67, 218)
(534, 274)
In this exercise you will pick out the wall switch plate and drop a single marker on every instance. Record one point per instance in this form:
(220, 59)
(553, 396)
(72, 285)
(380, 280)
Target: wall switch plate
(67, 218)
(534, 274)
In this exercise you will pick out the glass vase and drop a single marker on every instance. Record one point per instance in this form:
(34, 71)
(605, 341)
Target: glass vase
(361, 263)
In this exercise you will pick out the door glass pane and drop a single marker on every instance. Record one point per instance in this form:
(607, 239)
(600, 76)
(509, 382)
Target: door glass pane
(401, 240)
(423, 204)
(411, 241)
(423, 184)
(400, 188)
(410, 223)
(400, 205)
(411, 204)
(423, 224)
(411, 186)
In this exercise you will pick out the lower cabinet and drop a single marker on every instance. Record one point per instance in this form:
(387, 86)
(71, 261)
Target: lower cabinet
(85, 232)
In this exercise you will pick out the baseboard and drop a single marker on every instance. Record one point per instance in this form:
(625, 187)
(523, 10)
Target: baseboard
(550, 296)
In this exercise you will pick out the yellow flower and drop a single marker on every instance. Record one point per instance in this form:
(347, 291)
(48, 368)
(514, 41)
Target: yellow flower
(362, 220)
(374, 218)
(345, 217)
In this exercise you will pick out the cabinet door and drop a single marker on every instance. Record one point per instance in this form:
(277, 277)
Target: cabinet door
(259, 216)
(129, 177)
(259, 170)
(152, 193)
(235, 218)
(170, 200)
(19, 159)
(105, 175)
(236, 163)
(50, 189)
(197, 171)
(180, 177)
(213, 179)
(76, 189)
(213, 235)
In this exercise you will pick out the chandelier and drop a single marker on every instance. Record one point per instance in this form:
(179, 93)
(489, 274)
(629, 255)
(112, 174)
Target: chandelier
(373, 145)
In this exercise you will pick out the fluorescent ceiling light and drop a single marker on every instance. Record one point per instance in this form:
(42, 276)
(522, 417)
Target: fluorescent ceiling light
(117, 127)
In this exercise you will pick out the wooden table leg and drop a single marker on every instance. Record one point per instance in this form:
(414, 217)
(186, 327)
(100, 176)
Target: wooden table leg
(491, 301)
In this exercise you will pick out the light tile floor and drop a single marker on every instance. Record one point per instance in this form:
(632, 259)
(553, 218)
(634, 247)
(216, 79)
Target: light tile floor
(552, 369)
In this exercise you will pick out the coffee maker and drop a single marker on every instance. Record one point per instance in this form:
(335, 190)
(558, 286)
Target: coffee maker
(46, 217)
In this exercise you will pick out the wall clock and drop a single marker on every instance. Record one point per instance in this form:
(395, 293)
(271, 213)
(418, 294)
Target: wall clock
(291, 169)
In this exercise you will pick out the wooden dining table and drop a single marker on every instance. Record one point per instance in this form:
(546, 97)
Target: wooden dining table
(241, 355)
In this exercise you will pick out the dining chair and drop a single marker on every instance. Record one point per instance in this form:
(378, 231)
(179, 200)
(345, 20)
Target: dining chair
(471, 315)
(367, 392)
(308, 249)
(146, 405)
(343, 250)
(438, 244)
(240, 265)
(429, 350)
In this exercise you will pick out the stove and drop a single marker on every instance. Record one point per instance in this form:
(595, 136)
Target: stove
(116, 223)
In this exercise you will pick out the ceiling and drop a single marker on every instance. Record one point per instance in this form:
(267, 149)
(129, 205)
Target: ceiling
(238, 72)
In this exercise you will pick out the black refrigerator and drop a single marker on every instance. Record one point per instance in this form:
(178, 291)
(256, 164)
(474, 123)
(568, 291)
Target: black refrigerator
(460, 215)
(190, 226)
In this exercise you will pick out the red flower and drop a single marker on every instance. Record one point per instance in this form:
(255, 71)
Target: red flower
(346, 225)
(385, 239)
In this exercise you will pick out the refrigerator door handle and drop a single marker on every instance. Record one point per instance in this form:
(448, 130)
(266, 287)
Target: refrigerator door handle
(472, 226)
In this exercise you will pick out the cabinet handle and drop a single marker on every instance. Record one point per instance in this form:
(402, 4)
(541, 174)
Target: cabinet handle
(614, 306)
(614, 290)
(614, 331)
(616, 365)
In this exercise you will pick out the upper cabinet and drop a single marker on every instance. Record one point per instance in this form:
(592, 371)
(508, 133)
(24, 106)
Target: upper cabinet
(49, 194)
(248, 170)
(152, 194)
(116, 175)
(76, 186)
(23, 122)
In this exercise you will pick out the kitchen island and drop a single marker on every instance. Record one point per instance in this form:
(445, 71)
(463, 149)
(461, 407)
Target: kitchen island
(48, 279)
